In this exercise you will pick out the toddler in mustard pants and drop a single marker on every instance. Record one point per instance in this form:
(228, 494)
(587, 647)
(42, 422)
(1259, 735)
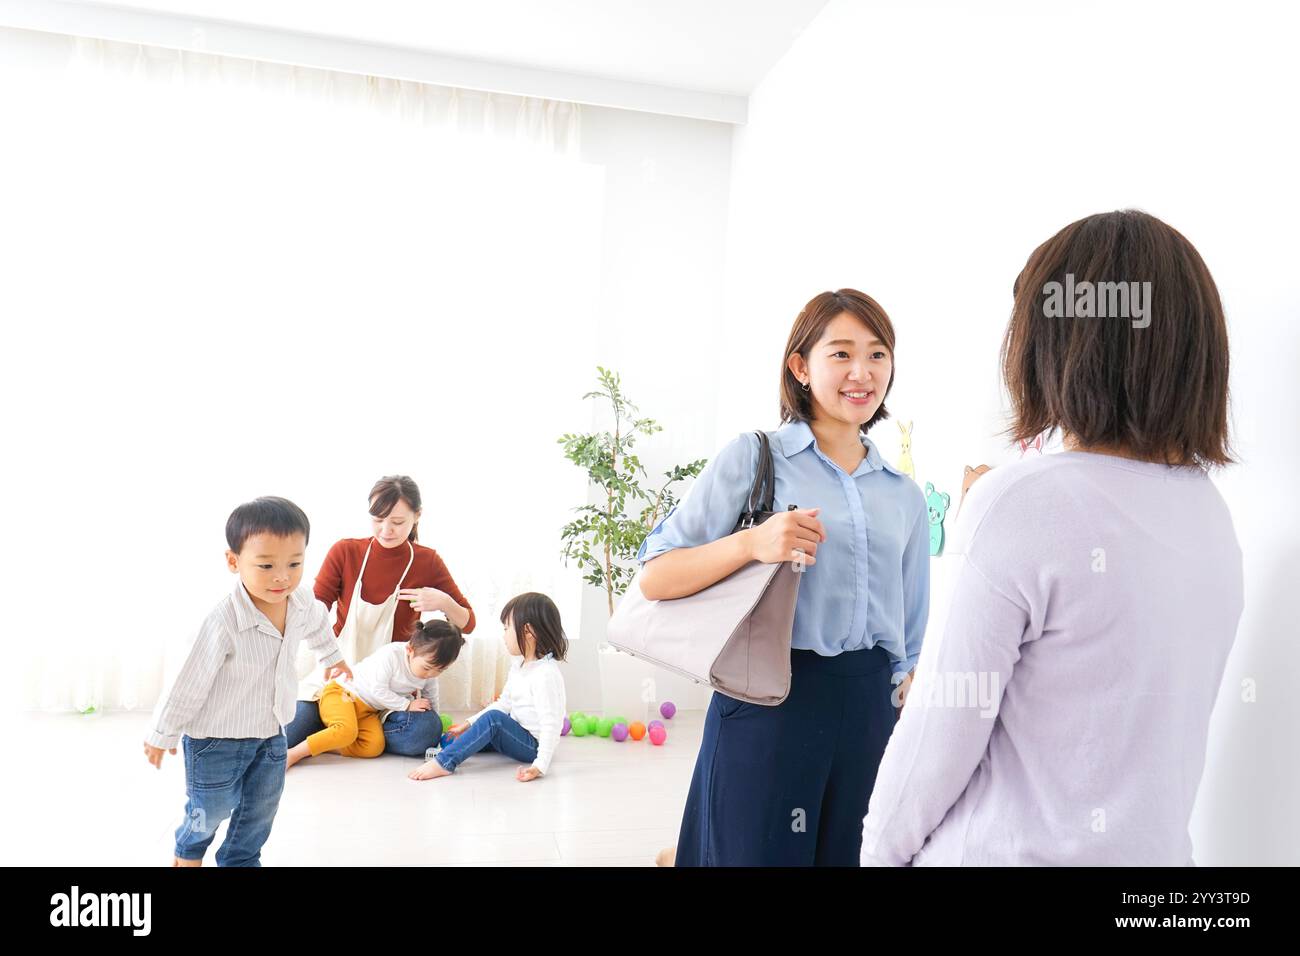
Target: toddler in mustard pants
(402, 675)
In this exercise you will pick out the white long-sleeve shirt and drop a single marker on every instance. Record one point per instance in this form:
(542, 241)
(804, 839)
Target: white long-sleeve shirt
(534, 696)
(1061, 715)
(239, 678)
(385, 682)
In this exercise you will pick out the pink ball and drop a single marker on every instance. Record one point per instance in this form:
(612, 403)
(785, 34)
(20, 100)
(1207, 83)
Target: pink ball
(619, 732)
(668, 708)
(658, 735)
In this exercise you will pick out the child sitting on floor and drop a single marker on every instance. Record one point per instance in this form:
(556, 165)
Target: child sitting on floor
(525, 721)
(402, 675)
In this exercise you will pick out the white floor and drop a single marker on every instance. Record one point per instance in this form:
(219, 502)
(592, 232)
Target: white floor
(88, 797)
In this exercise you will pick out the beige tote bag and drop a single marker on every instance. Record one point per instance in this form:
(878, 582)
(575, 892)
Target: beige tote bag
(735, 634)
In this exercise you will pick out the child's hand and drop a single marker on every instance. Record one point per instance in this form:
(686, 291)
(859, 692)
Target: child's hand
(155, 754)
(421, 703)
(457, 729)
(524, 774)
(340, 669)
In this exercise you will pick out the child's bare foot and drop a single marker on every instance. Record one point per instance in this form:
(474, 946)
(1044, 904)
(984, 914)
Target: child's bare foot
(177, 861)
(666, 857)
(297, 753)
(428, 770)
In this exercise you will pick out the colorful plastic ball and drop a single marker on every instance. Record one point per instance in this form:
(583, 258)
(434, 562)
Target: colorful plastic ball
(621, 720)
(619, 732)
(655, 723)
(565, 728)
(605, 726)
(636, 730)
(446, 722)
(668, 708)
(581, 727)
(658, 735)
(446, 740)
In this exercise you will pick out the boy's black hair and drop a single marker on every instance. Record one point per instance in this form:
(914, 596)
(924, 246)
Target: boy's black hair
(270, 515)
(540, 613)
(437, 641)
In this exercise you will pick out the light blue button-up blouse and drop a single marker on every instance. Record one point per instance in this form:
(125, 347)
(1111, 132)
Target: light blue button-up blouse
(871, 582)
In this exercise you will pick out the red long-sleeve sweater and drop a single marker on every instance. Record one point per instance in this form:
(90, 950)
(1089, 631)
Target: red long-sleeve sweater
(338, 576)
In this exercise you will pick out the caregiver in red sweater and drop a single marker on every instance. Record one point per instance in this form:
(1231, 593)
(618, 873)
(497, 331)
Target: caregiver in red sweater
(381, 585)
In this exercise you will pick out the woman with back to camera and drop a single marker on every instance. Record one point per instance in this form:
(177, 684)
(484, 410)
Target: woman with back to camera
(1096, 591)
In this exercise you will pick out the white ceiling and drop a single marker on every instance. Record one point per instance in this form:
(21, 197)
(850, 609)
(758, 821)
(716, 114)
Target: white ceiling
(717, 46)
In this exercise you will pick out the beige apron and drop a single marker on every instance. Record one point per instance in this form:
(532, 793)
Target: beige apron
(368, 628)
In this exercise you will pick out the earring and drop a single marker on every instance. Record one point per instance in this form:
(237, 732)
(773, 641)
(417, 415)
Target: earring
(805, 386)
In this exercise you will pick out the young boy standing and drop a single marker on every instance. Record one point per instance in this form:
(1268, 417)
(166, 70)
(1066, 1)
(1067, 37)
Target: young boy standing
(235, 692)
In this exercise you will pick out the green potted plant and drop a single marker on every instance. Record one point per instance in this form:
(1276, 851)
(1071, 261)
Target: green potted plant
(605, 537)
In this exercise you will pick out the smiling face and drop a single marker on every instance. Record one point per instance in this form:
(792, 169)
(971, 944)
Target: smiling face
(847, 371)
(395, 527)
(269, 565)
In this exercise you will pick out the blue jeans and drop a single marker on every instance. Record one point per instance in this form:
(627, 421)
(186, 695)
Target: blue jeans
(406, 733)
(239, 779)
(495, 730)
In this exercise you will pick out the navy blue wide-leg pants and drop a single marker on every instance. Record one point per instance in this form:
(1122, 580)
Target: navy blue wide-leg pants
(789, 785)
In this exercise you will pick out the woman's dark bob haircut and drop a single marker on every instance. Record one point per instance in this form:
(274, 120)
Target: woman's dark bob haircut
(1149, 380)
(810, 325)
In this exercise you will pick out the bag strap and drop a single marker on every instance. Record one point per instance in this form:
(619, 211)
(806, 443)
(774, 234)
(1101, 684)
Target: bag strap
(763, 491)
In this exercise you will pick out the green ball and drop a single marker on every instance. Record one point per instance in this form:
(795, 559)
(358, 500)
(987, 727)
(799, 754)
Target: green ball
(446, 722)
(605, 725)
(621, 720)
(578, 727)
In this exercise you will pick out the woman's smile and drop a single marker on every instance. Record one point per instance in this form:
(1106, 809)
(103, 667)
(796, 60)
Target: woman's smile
(859, 396)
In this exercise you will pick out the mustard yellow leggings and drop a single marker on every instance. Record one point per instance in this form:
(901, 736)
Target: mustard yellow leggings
(352, 726)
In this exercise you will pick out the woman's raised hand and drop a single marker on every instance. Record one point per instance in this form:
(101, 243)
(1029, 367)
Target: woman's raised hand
(425, 599)
(780, 536)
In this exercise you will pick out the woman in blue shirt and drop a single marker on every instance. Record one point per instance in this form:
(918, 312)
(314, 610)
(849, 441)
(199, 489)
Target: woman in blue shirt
(789, 785)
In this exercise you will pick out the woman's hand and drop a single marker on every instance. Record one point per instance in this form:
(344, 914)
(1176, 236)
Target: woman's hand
(426, 599)
(778, 538)
(457, 729)
(524, 774)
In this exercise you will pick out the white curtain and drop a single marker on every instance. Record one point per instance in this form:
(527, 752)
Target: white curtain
(226, 278)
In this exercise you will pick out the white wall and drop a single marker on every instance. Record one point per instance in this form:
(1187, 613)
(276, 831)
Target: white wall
(223, 281)
(659, 307)
(920, 152)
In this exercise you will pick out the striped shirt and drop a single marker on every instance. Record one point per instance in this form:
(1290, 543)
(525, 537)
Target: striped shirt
(238, 679)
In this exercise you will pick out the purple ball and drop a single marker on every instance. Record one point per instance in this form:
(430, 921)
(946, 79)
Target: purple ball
(668, 708)
(565, 728)
(654, 723)
(619, 732)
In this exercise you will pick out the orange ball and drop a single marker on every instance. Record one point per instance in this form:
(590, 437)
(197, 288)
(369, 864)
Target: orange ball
(636, 730)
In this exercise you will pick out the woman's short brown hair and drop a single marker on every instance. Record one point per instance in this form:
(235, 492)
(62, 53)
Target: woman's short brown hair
(821, 310)
(1156, 387)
